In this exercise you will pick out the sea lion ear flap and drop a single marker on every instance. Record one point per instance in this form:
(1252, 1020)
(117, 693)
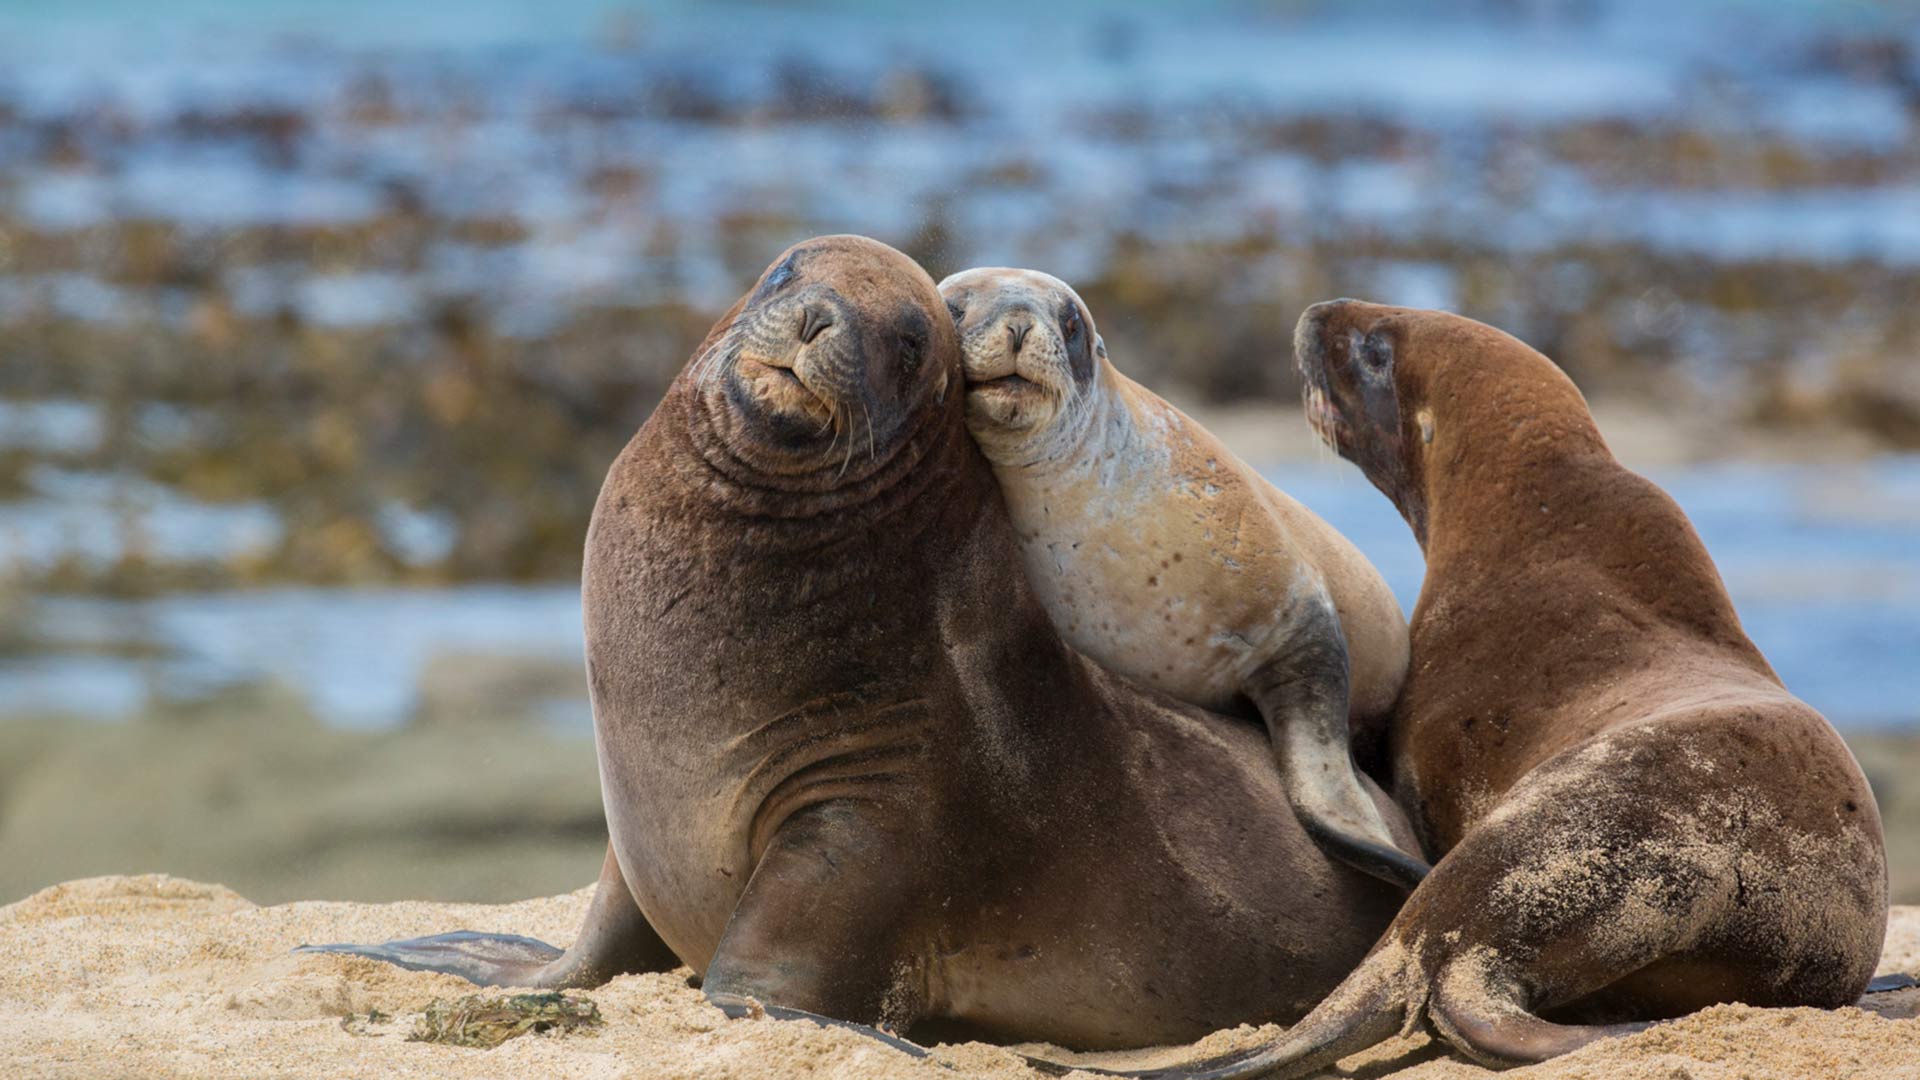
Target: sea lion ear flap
(1099, 346)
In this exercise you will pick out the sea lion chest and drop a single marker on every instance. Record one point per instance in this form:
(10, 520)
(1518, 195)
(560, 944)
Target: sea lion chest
(732, 688)
(1155, 555)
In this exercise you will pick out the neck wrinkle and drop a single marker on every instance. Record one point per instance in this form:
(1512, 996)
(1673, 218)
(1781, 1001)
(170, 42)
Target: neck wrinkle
(771, 513)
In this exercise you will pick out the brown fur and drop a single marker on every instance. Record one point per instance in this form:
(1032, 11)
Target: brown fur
(1634, 818)
(849, 767)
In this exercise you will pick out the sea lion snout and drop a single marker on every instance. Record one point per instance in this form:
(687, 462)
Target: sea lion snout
(1343, 335)
(796, 357)
(1329, 345)
(1349, 354)
(808, 333)
(1012, 337)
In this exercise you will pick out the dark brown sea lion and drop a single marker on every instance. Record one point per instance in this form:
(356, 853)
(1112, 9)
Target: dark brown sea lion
(1634, 819)
(849, 768)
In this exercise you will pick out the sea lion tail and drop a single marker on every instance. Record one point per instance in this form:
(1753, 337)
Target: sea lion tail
(1375, 1003)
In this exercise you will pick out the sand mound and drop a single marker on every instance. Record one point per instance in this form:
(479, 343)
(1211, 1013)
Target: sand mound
(156, 976)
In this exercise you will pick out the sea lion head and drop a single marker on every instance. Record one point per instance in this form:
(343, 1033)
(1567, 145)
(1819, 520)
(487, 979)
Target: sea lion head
(1405, 393)
(823, 371)
(1030, 355)
(1347, 352)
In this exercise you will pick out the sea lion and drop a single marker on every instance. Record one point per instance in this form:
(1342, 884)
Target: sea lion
(1163, 556)
(1635, 820)
(849, 769)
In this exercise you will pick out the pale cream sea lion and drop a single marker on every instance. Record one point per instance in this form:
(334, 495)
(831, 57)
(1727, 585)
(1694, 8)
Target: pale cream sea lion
(1164, 557)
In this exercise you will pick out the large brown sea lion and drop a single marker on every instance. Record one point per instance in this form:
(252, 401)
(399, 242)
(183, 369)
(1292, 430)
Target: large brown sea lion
(1634, 818)
(1166, 558)
(849, 768)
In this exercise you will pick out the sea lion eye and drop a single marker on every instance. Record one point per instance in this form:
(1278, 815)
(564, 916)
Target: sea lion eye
(1070, 322)
(955, 310)
(777, 278)
(1376, 352)
(910, 348)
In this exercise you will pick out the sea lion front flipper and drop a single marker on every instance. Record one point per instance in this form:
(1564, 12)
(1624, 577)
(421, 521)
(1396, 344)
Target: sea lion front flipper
(819, 928)
(1302, 693)
(614, 939)
(745, 1008)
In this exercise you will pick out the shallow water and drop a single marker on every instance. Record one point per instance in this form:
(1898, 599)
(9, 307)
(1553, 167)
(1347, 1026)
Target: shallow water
(1823, 563)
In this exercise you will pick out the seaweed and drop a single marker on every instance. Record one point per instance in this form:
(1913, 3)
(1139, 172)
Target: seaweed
(484, 1021)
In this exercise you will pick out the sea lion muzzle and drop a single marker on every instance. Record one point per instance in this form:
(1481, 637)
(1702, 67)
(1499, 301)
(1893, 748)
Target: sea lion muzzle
(1345, 351)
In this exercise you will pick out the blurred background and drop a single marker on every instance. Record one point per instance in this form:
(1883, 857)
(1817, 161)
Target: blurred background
(321, 321)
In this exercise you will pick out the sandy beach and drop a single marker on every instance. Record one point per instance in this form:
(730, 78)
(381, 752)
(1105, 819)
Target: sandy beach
(157, 976)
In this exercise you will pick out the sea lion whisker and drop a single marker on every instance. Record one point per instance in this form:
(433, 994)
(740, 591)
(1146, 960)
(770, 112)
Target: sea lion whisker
(833, 421)
(712, 363)
(708, 366)
(849, 461)
(871, 454)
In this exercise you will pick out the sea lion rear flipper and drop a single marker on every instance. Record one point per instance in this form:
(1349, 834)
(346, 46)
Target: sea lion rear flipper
(485, 959)
(1887, 984)
(1222, 1066)
(1302, 693)
(1486, 1025)
(614, 939)
(1369, 1007)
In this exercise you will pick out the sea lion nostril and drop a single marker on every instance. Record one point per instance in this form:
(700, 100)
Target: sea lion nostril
(1017, 331)
(813, 320)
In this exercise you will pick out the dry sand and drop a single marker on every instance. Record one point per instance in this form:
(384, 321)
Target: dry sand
(156, 976)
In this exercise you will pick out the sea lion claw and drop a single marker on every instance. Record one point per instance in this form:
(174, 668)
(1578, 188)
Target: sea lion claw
(741, 1007)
